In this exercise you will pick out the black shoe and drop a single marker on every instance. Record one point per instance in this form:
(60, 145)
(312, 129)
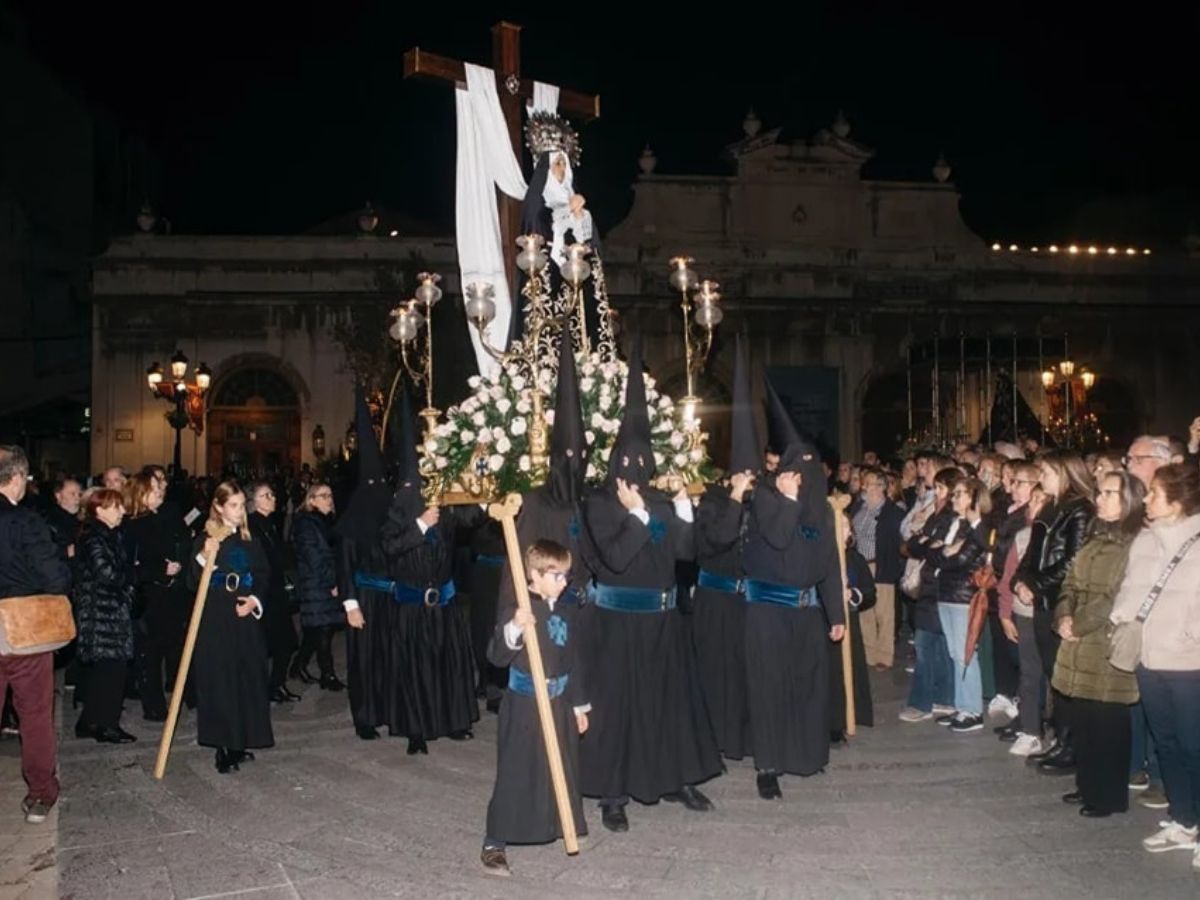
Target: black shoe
(86, 731)
(114, 736)
(465, 735)
(1090, 812)
(240, 756)
(1074, 797)
(768, 786)
(154, 716)
(1007, 734)
(291, 695)
(302, 673)
(279, 695)
(613, 818)
(495, 861)
(1062, 764)
(1053, 750)
(330, 682)
(946, 720)
(493, 705)
(225, 761)
(690, 798)
(367, 734)
(417, 745)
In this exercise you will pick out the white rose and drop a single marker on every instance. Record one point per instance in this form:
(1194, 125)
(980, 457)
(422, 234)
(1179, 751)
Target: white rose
(610, 370)
(467, 435)
(468, 406)
(606, 453)
(496, 392)
(441, 462)
(680, 459)
(503, 405)
(659, 459)
(431, 445)
(589, 436)
(612, 426)
(524, 463)
(495, 462)
(676, 440)
(518, 383)
(591, 471)
(497, 433)
(473, 382)
(597, 420)
(664, 403)
(503, 445)
(549, 414)
(697, 454)
(442, 430)
(586, 384)
(479, 419)
(524, 407)
(589, 368)
(519, 427)
(651, 396)
(512, 372)
(485, 436)
(606, 401)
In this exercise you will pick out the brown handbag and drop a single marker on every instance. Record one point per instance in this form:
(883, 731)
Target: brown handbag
(39, 623)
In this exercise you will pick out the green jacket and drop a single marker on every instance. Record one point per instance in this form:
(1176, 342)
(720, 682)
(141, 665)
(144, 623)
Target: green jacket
(1081, 669)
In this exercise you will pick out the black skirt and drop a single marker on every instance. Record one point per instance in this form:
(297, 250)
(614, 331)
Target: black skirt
(650, 733)
(411, 668)
(523, 809)
(787, 682)
(718, 634)
(233, 707)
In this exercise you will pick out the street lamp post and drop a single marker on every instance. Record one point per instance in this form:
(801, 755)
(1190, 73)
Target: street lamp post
(176, 390)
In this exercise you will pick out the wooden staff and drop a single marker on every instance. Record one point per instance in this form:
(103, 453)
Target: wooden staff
(840, 528)
(506, 514)
(218, 532)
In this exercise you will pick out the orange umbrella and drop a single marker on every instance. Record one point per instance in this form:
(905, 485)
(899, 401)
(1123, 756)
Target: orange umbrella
(984, 579)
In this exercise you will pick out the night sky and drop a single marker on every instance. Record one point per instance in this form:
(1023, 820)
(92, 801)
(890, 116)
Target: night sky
(270, 117)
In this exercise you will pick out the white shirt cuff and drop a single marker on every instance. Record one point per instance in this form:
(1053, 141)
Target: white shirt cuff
(422, 525)
(855, 598)
(641, 515)
(683, 509)
(257, 612)
(512, 635)
(350, 604)
(583, 710)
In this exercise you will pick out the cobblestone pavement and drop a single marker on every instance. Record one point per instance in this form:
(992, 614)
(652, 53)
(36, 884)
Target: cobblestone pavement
(905, 810)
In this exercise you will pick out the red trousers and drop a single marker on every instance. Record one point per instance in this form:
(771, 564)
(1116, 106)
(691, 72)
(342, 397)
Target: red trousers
(32, 681)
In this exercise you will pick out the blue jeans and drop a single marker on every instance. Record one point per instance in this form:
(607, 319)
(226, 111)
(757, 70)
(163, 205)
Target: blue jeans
(1143, 756)
(932, 681)
(968, 683)
(1172, 704)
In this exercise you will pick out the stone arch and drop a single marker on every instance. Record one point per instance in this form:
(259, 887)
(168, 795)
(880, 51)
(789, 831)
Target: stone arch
(265, 361)
(254, 417)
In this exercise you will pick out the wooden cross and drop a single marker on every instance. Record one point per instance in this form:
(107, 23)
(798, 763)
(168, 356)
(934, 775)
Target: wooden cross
(512, 88)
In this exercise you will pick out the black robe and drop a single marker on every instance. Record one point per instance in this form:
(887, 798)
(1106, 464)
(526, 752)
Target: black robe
(376, 658)
(791, 543)
(430, 646)
(488, 558)
(650, 733)
(858, 577)
(523, 809)
(279, 628)
(719, 622)
(233, 707)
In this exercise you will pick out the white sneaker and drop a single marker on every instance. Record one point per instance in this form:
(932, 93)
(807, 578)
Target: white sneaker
(939, 710)
(1172, 836)
(1025, 744)
(1002, 706)
(911, 714)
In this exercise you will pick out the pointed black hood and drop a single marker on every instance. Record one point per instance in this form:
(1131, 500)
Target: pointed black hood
(402, 437)
(632, 453)
(745, 454)
(798, 454)
(368, 505)
(568, 446)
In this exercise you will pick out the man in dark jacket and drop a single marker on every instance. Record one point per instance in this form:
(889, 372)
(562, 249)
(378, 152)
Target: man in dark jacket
(63, 515)
(29, 564)
(877, 535)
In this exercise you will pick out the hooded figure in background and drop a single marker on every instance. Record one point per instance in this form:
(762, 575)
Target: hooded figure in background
(650, 737)
(719, 602)
(362, 578)
(794, 596)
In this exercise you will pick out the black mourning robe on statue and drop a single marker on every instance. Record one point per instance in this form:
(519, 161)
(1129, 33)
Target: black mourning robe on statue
(719, 621)
(650, 733)
(523, 809)
(791, 543)
(233, 707)
(431, 645)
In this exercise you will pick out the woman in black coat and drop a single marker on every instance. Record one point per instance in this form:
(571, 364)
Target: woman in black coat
(160, 546)
(316, 582)
(103, 600)
(277, 622)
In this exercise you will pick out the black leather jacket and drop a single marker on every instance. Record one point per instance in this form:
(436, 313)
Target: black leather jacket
(954, 571)
(1045, 566)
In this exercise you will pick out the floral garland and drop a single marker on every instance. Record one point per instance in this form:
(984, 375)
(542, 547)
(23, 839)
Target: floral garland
(490, 429)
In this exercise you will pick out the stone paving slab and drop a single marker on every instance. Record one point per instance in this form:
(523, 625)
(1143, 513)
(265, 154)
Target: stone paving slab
(904, 811)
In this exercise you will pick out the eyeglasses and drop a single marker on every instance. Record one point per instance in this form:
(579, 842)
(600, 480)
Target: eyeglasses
(1137, 457)
(323, 495)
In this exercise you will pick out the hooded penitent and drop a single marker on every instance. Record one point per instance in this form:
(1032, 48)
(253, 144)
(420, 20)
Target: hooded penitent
(568, 447)
(369, 502)
(633, 454)
(744, 452)
(797, 454)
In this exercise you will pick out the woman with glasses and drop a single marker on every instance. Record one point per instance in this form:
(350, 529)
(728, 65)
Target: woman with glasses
(1065, 518)
(963, 550)
(316, 583)
(1099, 694)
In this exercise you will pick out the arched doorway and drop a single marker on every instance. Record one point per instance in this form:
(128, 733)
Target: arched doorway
(253, 425)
